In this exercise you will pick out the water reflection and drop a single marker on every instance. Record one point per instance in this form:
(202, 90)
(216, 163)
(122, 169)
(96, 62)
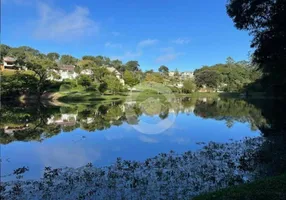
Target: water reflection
(38, 123)
(75, 134)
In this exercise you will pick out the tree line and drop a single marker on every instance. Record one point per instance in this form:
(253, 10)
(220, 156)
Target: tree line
(228, 77)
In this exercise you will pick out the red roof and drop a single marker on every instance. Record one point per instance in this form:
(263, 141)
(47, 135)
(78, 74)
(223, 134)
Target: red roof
(9, 59)
(67, 67)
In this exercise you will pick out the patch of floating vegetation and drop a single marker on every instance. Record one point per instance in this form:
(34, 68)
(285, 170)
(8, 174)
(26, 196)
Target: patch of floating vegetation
(168, 176)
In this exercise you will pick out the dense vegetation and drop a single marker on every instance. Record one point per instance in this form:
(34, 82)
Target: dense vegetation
(271, 188)
(230, 77)
(94, 76)
(265, 21)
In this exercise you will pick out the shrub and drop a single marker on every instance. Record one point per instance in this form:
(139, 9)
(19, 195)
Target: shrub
(65, 87)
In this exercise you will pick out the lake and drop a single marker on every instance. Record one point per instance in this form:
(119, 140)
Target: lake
(75, 134)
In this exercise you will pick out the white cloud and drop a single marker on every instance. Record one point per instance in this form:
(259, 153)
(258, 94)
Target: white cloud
(169, 54)
(182, 41)
(148, 42)
(128, 55)
(56, 24)
(167, 57)
(167, 49)
(113, 45)
(115, 33)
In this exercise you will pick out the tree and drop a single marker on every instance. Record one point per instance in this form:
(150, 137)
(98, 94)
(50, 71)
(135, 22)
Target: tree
(99, 73)
(132, 66)
(265, 20)
(43, 69)
(102, 87)
(154, 77)
(113, 84)
(117, 64)
(189, 86)
(68, 60)
(130, 79)
(230, 62)
(53, 56)
(164, 70)
(92, 58)
(209, 78)
(84, 80)
(19, 54)
(4, 50)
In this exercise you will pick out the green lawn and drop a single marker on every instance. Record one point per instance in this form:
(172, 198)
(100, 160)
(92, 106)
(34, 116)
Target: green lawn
(267, 189)
(13, 72)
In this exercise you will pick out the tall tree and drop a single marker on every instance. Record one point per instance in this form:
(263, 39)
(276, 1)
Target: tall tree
(209, 78)
(53, 56)
(113, 84)
(68, 60)
(4, 50)
(164, 70)
(132, 66)
(130, 79)
(265, 20)
(42, 68)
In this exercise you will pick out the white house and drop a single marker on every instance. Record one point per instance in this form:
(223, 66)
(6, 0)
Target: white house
(65, 72)
(187, 75)
(182, 75)
(171, 73)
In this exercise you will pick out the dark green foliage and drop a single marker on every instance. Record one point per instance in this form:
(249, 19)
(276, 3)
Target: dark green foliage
(113, 84)
(163, 69)
(132, 65)
(18, 84)
(84, 80)
(230, 77)
(271, 188)
(265, 20)
(130, 78)
(65, 87)
(53, 56)
(68, 60)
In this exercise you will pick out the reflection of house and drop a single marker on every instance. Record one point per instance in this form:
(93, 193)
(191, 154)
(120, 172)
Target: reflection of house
(117, 74)
(65, 72)
(10, 130)
(86, 72)
(65, 120)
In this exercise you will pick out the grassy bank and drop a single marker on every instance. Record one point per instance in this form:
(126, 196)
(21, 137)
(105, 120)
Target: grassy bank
(87, 96)
(271, 188)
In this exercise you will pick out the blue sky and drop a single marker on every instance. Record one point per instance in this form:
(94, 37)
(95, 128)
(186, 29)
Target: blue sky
(183, 34)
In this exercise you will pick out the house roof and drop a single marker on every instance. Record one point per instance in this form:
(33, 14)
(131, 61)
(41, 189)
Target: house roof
(67, 67)
(9, 59)
(112, 69)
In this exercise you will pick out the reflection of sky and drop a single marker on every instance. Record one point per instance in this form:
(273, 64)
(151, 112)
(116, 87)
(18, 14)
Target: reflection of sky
(79, 147)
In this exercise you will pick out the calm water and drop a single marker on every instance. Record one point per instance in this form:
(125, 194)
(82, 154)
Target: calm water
(75, 134)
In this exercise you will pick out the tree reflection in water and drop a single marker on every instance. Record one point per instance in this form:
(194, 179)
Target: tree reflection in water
(169, 175)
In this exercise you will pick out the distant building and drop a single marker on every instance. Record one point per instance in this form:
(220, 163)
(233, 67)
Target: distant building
(182, 75)
(65, 72)
(172, 73)
(187, 75)
(10, 63)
